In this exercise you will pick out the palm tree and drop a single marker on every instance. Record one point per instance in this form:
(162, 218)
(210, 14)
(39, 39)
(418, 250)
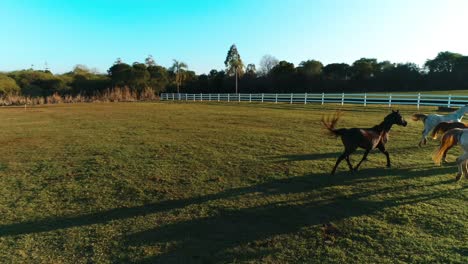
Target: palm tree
(178, 68)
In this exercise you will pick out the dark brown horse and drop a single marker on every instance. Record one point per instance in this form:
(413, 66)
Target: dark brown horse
(443, 127)
(366, 138)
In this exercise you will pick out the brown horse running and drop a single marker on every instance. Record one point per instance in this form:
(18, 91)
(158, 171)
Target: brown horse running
(443, 127)
(366, 138)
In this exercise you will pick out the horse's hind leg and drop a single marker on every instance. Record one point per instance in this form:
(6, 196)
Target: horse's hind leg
(424, 138)
(363, 159)
(340, 158)
(343, 156)
(382, 149)
(444, 157)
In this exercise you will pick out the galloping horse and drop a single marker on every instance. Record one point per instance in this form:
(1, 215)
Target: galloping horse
(451, 138)
(366, 138)
(443, 127)
(431, 120)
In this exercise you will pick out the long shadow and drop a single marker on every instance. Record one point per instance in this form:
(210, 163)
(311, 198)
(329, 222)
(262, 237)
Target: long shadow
(287, 185)
(211, 239)
(296, 184)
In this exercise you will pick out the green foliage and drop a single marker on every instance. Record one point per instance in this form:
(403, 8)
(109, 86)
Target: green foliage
(179, 69)
(159, 78)
(39, 83)
(283, 68)
(444, 62)
(337, 71)
(364, 68)
(8, 85)
(310, 68)
(233, 62)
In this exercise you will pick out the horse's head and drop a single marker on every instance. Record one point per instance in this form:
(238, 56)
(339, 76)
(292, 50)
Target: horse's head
(396, 118)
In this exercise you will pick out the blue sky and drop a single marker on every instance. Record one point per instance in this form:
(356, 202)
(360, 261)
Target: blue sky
(200, 32)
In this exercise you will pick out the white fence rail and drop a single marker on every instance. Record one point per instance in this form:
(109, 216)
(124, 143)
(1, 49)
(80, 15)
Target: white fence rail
(418, 99)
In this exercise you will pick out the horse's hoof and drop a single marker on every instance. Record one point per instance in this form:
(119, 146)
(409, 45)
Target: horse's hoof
(458, 177)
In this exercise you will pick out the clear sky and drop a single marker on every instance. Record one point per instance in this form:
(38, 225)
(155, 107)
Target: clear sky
(199, 32)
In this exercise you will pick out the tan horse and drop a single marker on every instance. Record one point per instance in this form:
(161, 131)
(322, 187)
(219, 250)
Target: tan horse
(454, 137)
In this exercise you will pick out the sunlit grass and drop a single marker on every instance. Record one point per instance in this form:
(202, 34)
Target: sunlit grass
(201, 183)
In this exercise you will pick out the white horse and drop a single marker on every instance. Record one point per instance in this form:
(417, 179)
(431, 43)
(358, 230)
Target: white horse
(432, 120)
(451, 138)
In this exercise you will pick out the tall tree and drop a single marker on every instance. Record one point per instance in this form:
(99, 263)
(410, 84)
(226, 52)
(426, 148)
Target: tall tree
(234, 64)
(179, 69)
(267, 63)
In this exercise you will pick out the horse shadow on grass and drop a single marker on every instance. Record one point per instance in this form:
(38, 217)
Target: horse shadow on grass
(212, 239)
(221, 238)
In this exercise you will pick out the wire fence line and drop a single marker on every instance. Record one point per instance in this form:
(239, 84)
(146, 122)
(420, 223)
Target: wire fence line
(419, 99)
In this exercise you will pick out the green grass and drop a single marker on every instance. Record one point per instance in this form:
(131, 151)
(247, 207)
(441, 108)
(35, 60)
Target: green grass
(220, 183)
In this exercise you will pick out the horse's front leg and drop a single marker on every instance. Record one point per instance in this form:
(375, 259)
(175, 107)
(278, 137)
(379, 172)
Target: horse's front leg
(363, 159)
(382, 149)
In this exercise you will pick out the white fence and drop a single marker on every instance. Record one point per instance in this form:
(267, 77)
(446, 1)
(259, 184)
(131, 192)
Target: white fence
(418, 99)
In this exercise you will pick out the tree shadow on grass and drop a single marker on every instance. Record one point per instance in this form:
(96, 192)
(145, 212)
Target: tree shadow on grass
(294, 184)
(210, 238)
(214, 239)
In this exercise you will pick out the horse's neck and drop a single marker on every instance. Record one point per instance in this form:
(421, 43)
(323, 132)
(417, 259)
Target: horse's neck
(383, 127)
(459, 113)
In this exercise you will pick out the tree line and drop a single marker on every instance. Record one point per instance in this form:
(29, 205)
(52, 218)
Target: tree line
(448, 70)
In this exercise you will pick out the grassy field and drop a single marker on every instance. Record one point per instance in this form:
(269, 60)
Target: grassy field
(220, 183)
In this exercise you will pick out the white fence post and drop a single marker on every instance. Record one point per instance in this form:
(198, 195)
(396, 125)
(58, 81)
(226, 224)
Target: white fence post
(390, 100)
(291, 100)
(449, 100)
(342, 99)
(262, 97)
(305, 98)
(419, 99)
(201, 97)
(250, 98)
(323, 98)
(276, 99)
(186, 97)
(239, 95)
(218, 97)
(365, 99)
(229, 99)
(173, 97)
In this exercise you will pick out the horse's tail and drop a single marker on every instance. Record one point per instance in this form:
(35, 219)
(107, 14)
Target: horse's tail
(417, 117)
(448, 140)
(330, 123)
(440, 129)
